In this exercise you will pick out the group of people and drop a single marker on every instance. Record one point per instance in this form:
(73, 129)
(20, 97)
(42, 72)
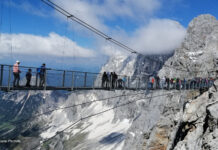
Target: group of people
(176, 83)
(111, 80)
(40, 72)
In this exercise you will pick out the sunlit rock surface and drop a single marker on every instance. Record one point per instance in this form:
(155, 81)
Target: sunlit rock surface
(198, 54)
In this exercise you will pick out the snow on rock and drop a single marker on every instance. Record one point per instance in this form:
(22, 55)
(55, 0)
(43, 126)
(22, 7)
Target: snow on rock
(198, 54)
(135, 65)
(124, 65)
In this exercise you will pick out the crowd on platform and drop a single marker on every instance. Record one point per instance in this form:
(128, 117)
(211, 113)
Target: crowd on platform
(176, 83)
(111, 80)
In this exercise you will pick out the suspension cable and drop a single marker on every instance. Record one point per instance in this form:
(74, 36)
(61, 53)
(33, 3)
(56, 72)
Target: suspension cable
(75, 105)
(89, 27)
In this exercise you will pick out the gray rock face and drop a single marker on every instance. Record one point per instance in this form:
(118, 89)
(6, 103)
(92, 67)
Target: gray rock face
(135, 65)
(124, 127)
(198, 54)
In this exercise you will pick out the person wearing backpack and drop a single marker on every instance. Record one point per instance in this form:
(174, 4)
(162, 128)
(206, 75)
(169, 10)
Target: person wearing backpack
(152, 83)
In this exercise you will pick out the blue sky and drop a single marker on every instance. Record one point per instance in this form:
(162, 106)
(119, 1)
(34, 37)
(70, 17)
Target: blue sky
(32, 31)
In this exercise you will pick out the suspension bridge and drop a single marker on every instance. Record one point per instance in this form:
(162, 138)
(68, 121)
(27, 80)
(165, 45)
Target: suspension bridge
(75, 80)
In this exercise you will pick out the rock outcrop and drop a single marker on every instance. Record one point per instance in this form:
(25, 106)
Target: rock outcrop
(198, 54)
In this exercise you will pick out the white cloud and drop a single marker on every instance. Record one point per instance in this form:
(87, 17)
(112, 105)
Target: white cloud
(52, 45)
(111, 50)
(159, 36)
(95, 12)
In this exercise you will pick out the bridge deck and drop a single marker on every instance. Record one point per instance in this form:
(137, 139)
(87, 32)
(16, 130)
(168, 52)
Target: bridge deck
(60, 88)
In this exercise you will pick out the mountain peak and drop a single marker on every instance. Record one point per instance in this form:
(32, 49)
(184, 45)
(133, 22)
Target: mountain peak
(197, 56)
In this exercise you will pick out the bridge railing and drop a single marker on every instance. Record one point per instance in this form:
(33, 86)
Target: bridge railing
(71, 80)
(53, 78)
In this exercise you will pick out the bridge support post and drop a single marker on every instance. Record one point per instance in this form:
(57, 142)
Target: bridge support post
(72, 86)
(85, 79)
(63, 82)
(37, 76)
(45, 84)
(1, 75)
(9, 78)
(139, 83)
(136, 84)
(93, 82)
(128, 80)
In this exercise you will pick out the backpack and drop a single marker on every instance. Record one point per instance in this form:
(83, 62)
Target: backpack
(152, 80)
(38, 70)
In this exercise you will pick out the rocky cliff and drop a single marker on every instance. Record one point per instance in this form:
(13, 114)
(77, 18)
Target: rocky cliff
(198, 54)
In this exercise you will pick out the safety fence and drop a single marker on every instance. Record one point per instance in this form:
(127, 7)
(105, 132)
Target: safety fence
(60, 79)
(72, 80)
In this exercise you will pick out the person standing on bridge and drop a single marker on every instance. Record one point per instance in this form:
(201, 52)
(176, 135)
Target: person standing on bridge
(184, 84)
(109, 80)
(168, 83)
(157, 78)
(115, 80)
(150, 83)
(28, 77)
(162, 82)
(124, 82)
(42, 75)
(16, 73)
(104, 80)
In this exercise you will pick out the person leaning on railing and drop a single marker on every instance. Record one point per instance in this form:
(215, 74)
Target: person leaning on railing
(42, 75)
(16, 73)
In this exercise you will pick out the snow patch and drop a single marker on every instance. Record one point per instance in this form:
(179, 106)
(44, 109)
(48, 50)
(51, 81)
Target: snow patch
(133, 134)
(59, 122)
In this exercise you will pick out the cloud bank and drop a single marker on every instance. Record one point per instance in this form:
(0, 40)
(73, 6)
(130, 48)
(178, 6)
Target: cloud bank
(159, 36)
(51, 45)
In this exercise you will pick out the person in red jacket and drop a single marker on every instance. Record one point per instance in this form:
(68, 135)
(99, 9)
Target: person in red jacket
(16, 73)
